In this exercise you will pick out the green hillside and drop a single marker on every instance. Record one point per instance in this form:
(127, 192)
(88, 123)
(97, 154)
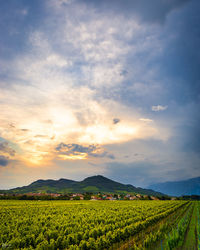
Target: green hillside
(92, 184)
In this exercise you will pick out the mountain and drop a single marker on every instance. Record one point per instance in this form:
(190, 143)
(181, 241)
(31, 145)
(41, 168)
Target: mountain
(92, 184)
(179, 188)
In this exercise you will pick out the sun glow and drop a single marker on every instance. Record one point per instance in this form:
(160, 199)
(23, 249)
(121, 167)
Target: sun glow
(80, 156)
(40, 131)
(104, 134)
(39, 139)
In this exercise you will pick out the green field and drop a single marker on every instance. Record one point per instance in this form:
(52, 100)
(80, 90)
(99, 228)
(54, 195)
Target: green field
(99, 224)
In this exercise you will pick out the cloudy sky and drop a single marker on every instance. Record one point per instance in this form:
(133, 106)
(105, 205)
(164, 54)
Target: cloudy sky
(99, 87)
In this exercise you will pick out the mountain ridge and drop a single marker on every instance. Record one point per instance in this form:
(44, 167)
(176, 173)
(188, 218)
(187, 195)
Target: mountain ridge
(178, 188)
(93, 184)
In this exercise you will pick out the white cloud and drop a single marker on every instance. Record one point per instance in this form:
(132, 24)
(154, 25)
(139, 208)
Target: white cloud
(159, 108)
(59, 95)
(146, 120)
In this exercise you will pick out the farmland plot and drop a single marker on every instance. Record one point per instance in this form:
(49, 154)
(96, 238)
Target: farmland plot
(89, 224)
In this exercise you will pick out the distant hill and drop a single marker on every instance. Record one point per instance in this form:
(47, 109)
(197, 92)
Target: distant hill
(179, 188)
(92, 184)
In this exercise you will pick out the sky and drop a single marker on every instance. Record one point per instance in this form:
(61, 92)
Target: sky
(99, 87)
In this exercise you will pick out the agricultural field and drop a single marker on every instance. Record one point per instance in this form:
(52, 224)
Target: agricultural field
(99, 224)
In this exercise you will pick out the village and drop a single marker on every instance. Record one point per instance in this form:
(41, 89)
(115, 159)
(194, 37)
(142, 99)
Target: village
(79, 196)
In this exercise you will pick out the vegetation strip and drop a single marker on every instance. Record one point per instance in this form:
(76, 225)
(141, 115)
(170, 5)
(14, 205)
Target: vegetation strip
(149, 237)
(198, 225)
(77, 224)
(176, 237)
(190, 239)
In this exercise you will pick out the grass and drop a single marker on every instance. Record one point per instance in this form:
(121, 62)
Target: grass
(190, 237)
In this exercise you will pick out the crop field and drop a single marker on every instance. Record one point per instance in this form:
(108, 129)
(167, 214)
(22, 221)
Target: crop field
(99, 224)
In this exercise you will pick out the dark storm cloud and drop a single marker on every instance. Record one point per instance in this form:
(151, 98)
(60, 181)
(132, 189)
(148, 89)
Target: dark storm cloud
(135, 173)
(177, 65)
(3, 161)
(148, 11)
(181, 58)
(77, 149)
(145, 173)
(187, 138)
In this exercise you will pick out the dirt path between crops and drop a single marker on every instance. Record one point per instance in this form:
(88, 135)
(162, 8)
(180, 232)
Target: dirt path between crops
(139, 238)
(162, 242)
(190, 242)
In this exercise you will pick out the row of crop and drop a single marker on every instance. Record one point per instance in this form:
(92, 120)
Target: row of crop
(149, 237)
(90, 216)
(71, 239)
(129, 231)
(107, 240)
(71, 221)
(198, 225)
(152, 238)
(104, 241)
(176, 237)
(38, 227)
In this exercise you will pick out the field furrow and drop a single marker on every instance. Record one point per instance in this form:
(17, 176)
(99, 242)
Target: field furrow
(93, 225)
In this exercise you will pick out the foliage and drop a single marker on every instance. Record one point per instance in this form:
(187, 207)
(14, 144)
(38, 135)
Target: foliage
(198, 225)
(77, 224)
(92, 184)
(177, 235)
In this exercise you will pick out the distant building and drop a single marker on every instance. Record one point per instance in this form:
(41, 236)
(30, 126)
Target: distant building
(133, 197)
(154, 198)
